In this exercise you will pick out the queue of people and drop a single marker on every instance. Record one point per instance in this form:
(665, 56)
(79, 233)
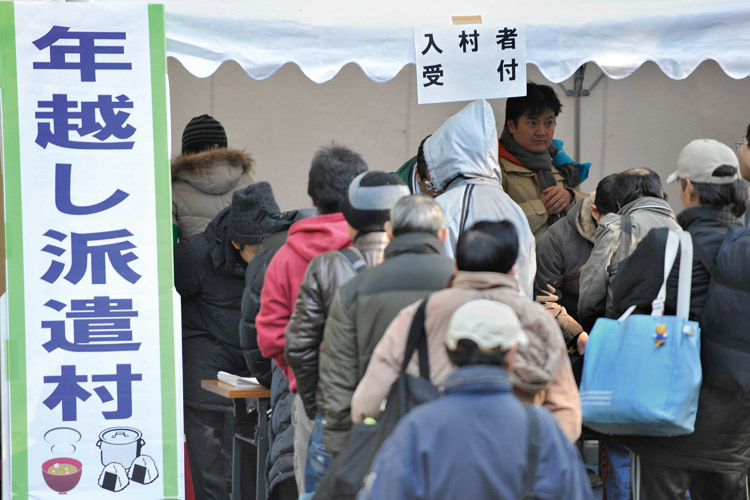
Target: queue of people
(492, 241)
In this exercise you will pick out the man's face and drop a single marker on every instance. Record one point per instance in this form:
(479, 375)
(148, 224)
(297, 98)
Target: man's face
(534, 134)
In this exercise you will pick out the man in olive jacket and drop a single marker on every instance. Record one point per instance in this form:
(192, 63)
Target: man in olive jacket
(363, 308)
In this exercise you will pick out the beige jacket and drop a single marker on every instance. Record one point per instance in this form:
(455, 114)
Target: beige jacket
(522, 185)
(541, 373)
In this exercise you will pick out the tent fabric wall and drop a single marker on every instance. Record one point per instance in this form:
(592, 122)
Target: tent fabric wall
(322, 37)
(640, 121)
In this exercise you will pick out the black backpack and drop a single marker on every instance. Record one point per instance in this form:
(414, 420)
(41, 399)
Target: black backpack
(725, 325)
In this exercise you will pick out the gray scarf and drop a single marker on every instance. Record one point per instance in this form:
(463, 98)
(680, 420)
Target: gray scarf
(541, 163)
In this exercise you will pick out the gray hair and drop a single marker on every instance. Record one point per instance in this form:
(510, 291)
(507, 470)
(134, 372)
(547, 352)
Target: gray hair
(417, 213)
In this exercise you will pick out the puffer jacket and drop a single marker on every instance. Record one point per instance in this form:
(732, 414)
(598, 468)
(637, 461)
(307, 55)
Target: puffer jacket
(209, 276)
(599, 272)
(361, 311)
(721, 440)
(561, 253)
(461, 156)
(203, 184)
(304, 333)
(522, 185)
(280, 458)
(541, 371)
(259, 366)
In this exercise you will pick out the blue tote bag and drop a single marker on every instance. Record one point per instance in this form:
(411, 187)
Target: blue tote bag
(642, 373)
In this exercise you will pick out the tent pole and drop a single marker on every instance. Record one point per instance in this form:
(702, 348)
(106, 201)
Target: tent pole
(576, 93)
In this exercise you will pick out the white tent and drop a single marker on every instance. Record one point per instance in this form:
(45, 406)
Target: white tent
(321, 37)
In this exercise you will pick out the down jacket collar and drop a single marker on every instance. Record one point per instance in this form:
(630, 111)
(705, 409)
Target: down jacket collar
(464, 146)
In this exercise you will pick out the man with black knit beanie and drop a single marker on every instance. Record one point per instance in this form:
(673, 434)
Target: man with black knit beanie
(205, 175)
(366, 208)
(210, 278)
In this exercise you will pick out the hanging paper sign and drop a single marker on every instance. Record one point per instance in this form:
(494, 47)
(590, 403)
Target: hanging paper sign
(94, 380)
(470, 59)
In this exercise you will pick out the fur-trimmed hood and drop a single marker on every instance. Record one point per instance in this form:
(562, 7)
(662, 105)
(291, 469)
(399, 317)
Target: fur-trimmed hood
(584, 221)
(192, 164)
(203, 184)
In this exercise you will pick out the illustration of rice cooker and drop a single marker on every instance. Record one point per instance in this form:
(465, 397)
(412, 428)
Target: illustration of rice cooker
(120, 445)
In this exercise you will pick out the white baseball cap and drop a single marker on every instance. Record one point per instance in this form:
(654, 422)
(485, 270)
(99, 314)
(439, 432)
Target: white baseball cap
(700, 158)
(491, 325)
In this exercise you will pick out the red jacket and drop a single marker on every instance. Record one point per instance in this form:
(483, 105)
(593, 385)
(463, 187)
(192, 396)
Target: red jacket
(307, 239)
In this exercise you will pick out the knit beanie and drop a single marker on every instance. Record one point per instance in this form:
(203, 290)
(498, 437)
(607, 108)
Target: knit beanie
(201, 133)
(370, 198)
(254, 210)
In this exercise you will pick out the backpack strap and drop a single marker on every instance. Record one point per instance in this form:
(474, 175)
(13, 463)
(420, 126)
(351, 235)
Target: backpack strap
(418, 340)
(355, 259)
(465, 209)
(532, 453)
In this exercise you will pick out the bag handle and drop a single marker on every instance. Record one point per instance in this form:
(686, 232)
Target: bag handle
(675, 241)
(417, 339)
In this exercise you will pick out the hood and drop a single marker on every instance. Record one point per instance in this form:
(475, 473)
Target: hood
(312, 236)
(223, 254)
(650, 204)
(580, 217)
(465, 145)
(214, 171)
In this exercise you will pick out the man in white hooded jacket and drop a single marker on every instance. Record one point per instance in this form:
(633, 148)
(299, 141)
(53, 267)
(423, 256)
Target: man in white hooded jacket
(461, 158)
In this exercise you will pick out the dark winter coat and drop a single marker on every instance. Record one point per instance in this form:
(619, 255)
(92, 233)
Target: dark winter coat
(210, 277)
(561, 253)
(361, 311)
(255, 274)
(721, 441)
(280, 458)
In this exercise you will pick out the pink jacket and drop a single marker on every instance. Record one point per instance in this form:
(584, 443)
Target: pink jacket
(307, 239)
(541, 372)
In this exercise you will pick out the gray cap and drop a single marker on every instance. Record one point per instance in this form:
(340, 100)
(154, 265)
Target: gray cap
(700, 158)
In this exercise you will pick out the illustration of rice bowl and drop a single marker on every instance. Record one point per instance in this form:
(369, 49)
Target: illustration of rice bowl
(62, 474)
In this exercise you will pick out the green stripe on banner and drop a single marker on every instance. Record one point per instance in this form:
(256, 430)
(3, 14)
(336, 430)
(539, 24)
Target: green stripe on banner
(163, 184)
(14, 254)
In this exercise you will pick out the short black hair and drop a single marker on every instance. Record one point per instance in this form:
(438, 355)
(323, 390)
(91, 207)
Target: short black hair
(421, 162)
(733, 194)
(637, 183)
(467, 352)
(747, 132)
(488, 246)
(332, 170)
(604, 199)
(537, 99)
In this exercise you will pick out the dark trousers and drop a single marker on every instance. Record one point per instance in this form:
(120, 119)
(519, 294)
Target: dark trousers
(209, 452)
(654, 482)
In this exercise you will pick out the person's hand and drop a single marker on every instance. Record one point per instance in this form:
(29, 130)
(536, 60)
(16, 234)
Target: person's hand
(582, 339)
(555, 199)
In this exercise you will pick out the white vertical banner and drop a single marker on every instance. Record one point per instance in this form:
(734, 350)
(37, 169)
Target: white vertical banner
(93, 347)
(470, 58)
